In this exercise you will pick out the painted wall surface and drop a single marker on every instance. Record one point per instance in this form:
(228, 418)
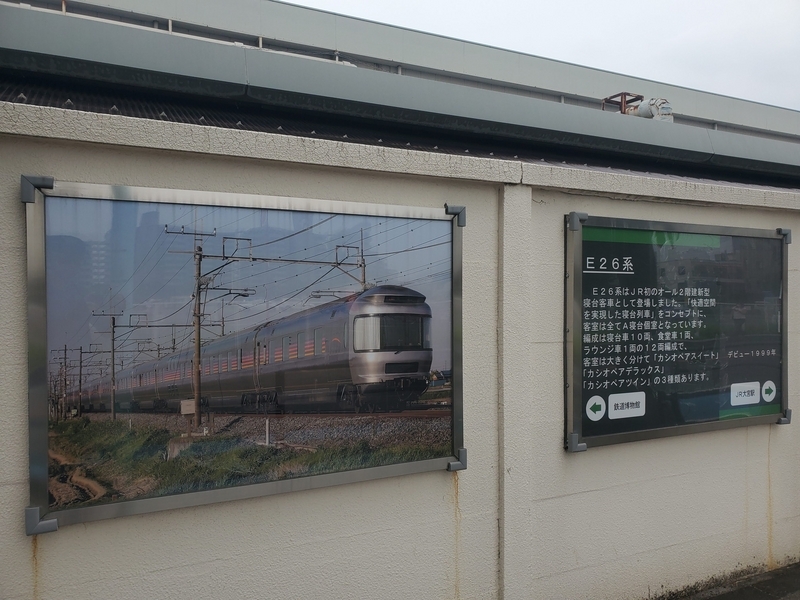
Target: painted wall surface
(526, 519)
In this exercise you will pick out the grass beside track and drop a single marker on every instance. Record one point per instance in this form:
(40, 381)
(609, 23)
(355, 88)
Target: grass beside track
(116, 456)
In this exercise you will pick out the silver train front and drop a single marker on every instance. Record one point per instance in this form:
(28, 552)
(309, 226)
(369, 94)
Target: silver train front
(369, 351)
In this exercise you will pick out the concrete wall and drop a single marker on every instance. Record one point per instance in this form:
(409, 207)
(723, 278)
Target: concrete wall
(526, 519)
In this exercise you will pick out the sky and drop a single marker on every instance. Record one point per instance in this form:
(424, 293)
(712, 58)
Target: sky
(117, 258)
(742, 48)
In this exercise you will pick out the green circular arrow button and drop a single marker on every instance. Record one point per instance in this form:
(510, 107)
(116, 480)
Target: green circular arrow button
(596, 408)
(768, 391)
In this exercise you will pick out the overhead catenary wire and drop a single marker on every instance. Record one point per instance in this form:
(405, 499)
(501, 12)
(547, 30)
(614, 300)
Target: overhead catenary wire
(313, 283)
(378, 237)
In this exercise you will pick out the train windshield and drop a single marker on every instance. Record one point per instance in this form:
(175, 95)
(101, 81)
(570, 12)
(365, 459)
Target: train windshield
(392, 332)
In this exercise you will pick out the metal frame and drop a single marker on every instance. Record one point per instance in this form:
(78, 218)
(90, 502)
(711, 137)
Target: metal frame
(574, 441)
(34, 192)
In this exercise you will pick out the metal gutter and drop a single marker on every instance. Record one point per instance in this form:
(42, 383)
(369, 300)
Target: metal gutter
(50, 42)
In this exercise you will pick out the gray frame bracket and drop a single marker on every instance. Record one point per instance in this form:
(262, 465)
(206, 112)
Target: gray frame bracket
(460, 212)
(786, 233)
(575, 219)
(787, 418)
(461, 463)
(573, 445)
(30, 183)
(34, 525)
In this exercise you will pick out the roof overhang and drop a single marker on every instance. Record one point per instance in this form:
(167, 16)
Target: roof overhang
(48, 42)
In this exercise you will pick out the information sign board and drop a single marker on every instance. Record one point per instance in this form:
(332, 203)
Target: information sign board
(671, 329)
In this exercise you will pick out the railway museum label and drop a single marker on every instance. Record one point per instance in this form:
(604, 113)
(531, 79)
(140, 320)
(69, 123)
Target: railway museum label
(187, 348)
(671, 329)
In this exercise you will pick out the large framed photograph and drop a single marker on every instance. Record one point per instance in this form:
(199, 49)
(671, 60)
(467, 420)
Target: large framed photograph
(672, 328)
(191, 347)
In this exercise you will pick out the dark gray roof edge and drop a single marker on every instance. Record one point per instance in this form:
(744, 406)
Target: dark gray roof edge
(49, 43)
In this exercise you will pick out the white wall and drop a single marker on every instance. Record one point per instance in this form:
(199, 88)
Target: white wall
(526, 519)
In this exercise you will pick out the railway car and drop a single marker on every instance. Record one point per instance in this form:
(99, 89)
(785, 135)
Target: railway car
(369, 351)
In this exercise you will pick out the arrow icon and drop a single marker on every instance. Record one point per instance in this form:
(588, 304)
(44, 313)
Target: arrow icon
(596, 408)
(768, 391)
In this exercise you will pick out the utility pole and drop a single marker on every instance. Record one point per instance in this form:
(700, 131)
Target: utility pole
(113, 363)
(58, 381)
(54, 397)
(113, 371)
(64, 390)
(197, 312)
(80, 381)
(363, 263)
(198, 258)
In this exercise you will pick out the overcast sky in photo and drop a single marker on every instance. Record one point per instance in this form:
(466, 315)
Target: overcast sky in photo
(741, 48)
(118, 258)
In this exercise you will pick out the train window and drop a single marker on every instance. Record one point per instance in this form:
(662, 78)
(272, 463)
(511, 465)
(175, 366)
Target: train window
(309, 347)
(366, 333)
(319, 341)
(400, 332)
(392, 332)
(276, 351)
(301, 345)
(232, 365)
(287, 347)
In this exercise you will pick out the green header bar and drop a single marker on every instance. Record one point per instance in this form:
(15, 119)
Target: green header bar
(652, 238)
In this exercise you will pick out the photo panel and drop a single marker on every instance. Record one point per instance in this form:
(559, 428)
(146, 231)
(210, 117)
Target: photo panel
(194, 347)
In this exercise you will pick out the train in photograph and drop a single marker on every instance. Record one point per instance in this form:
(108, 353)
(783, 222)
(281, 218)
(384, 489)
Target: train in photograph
(368, 351)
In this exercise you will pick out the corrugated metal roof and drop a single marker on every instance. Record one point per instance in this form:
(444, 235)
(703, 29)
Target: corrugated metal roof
(133, 103)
